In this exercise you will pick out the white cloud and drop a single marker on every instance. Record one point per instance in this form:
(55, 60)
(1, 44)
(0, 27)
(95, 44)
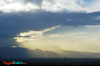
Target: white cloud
(16, 6)
(78, 33)
(93, 26)
(33, 35)
(93, 6)
(13, 46)
(60, 5)
(55, 36)
(49, 5)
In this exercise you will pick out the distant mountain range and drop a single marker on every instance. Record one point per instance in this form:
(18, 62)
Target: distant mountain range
(22, 53)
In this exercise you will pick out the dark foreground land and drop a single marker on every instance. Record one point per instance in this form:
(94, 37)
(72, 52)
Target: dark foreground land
(58, 62)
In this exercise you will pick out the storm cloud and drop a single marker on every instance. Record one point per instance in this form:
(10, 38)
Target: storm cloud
(15, 23)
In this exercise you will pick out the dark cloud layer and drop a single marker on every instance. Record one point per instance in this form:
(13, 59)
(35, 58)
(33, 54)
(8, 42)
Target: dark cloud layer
(12, 24)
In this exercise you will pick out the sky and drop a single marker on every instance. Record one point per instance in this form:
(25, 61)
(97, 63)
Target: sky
(51, 27)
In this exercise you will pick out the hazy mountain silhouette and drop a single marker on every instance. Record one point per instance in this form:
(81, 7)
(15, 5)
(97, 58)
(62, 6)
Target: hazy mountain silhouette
(22, 53)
